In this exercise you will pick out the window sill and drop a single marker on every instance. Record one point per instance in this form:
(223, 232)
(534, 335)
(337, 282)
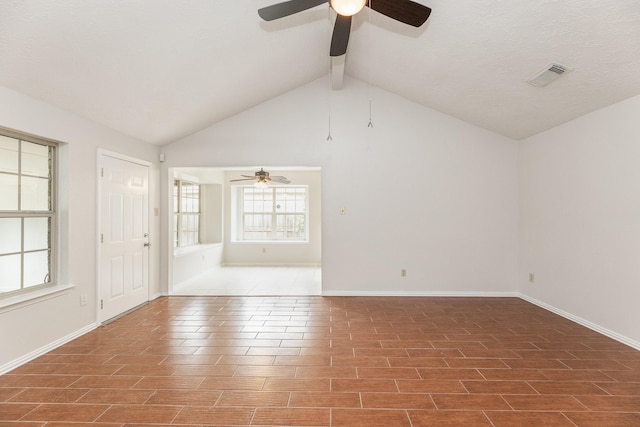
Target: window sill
(23, 300)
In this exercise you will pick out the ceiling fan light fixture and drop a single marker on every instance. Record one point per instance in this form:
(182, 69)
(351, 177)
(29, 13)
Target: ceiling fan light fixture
(261, 183)
(347, 7)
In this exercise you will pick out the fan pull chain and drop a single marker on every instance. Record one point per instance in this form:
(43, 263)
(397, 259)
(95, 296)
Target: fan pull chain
(370, 125)
(329, 137)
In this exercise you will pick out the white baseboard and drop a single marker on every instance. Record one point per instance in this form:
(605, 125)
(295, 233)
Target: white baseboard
(45, 349)
(271, 264)
(604, 331)
(467, 294)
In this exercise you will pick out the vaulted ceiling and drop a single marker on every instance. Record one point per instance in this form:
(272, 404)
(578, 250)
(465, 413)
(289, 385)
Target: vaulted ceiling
(162, 69)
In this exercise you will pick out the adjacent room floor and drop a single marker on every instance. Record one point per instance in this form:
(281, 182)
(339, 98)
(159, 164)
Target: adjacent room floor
(256, 281)
(330, 361)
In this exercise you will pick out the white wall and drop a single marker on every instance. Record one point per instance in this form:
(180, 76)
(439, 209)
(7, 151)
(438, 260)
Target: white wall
(212, 202)
(191, 262)
(25, 330)
(422, 191)
(580, 218)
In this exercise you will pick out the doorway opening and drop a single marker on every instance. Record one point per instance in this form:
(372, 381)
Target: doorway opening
(123, 249)
(232, 236)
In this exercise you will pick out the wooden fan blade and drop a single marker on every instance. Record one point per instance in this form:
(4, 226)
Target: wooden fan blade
(340, 37)
(280, 10)
(405, 11)
(280, 181)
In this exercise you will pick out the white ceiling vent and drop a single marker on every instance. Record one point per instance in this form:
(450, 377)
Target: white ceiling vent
(547, 74)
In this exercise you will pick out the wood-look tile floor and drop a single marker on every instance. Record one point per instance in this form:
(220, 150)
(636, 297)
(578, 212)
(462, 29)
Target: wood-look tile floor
(330, 361)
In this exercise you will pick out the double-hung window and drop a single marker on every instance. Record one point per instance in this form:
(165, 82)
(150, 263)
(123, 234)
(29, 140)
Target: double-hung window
(272, 214)
(27, 213)
(186, 213)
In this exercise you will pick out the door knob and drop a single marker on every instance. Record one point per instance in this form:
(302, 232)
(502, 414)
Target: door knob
(147, 244)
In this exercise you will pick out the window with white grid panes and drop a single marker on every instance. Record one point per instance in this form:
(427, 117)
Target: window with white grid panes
(27, 213)
(186, 213)
(273, 213)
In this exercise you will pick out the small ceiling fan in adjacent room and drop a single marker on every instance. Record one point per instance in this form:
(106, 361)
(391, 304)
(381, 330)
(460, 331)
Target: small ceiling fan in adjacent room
(405, 11)
(263, 179)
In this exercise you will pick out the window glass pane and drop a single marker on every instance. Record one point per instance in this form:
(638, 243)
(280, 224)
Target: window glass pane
(190, 197)
(268, 200)
(35, 159)
(176, 186)
(186, 200)
(289, 205)
(257, 227)
(26, 184)
(191, 237)
(290, 226)
(259, 200)
(36, 234)
(189, 232)
(36, 268)
(35, 194)
(8, 192)
(9, 273)
(10, 235)
(8, 154)
(175, 231)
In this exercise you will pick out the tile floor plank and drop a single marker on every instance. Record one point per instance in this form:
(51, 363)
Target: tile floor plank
(329, 361)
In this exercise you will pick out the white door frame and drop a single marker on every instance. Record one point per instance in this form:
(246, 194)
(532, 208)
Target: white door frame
(99, 163)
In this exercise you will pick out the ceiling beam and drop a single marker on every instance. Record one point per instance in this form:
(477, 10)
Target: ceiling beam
(337, 71)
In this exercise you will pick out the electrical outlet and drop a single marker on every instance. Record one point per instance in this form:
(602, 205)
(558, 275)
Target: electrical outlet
(532, 278)
(264, 250)
(83, 299)
(403, 272)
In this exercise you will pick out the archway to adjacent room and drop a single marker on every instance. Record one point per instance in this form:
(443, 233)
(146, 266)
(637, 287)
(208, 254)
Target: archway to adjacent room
(232, 238)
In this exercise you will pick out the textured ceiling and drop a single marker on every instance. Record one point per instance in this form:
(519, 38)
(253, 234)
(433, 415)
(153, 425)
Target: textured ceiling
(162, 69)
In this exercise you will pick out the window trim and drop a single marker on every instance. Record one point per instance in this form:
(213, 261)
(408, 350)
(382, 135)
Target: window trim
(238, 216)
(177, 212)
(52, 214)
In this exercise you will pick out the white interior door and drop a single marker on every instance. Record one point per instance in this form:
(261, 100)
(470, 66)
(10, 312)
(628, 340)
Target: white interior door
(124, 236)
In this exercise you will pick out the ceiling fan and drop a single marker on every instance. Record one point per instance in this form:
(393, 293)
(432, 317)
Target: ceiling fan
(405, 11)
(263, 179)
